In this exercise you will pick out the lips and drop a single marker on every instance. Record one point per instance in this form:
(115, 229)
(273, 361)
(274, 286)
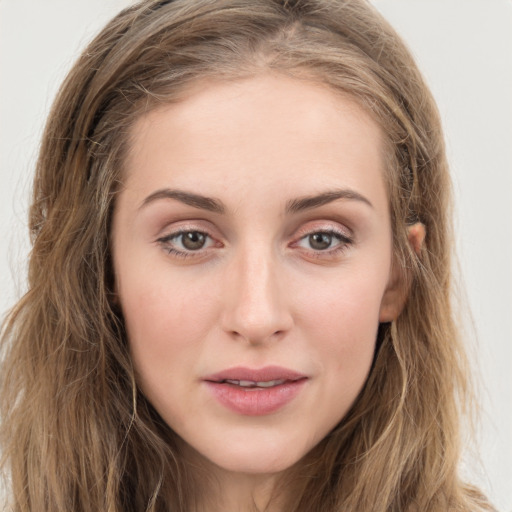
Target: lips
(255, 392)
(255, 384)
(266, 374)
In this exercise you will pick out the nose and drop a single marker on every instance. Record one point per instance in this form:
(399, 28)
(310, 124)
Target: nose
(256, 307)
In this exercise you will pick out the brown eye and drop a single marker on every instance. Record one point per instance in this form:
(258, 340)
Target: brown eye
(320, 241)
(187, 243)
(193, 240)
(328, 243)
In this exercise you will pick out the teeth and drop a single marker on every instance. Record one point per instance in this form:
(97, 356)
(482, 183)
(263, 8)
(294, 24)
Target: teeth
(270, 383)
(252, 384)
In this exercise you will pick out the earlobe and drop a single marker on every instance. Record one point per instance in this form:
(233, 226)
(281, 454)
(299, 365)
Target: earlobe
(397, 291)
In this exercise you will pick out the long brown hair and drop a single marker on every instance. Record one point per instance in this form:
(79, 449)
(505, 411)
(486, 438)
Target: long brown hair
(77, 434)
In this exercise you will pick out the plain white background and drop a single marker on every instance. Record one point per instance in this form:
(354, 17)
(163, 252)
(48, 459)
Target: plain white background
(464, 48)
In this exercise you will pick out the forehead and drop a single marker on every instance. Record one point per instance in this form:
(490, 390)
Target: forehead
(281, 131)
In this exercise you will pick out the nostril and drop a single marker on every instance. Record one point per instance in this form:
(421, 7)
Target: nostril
(256, 338)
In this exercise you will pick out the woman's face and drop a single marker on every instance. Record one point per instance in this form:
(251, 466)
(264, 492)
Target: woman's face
(253, 260)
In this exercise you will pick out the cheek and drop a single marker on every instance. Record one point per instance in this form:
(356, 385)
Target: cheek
(344, 305)
(342, 319)
(166, 320)
(342, 323)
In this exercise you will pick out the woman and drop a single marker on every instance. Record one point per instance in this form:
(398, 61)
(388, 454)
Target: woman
(240, 280)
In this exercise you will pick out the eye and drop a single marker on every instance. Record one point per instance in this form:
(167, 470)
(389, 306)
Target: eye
(193, 240)
(320, 241)
(184, 242)
(327, 241)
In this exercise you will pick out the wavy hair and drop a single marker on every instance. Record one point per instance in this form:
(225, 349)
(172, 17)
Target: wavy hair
(77, 434)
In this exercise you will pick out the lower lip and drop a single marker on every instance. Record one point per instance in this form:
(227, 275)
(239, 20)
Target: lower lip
(255, 401)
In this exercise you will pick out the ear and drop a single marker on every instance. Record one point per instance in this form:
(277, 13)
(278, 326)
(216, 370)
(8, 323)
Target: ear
(397, 290)
(416, 235)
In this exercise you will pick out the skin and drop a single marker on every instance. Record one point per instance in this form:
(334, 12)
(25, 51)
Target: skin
(259, 291)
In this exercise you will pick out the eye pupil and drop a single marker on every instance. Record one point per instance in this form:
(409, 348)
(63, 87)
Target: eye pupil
(320, 241)
(193, 240)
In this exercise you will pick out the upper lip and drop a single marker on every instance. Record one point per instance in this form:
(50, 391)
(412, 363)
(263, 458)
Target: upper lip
(265, 374)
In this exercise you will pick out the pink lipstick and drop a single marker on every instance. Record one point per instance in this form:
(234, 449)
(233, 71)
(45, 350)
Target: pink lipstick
(255, 392)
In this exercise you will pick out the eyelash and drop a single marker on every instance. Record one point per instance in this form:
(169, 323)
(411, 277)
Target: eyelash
(343, 243)
(167, 240)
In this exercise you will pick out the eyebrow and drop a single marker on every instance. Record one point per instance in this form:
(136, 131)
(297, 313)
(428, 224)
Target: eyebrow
(216, 206)
(309, 202)
(197, 201)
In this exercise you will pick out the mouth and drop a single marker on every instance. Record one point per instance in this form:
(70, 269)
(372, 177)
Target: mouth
(251, 377)
(252, 384)
(255, 392)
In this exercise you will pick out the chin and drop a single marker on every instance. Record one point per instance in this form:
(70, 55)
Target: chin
(255, 467)
(255, 459)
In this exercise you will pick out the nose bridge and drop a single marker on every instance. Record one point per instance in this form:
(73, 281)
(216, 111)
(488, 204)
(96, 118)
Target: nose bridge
(257, 309)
